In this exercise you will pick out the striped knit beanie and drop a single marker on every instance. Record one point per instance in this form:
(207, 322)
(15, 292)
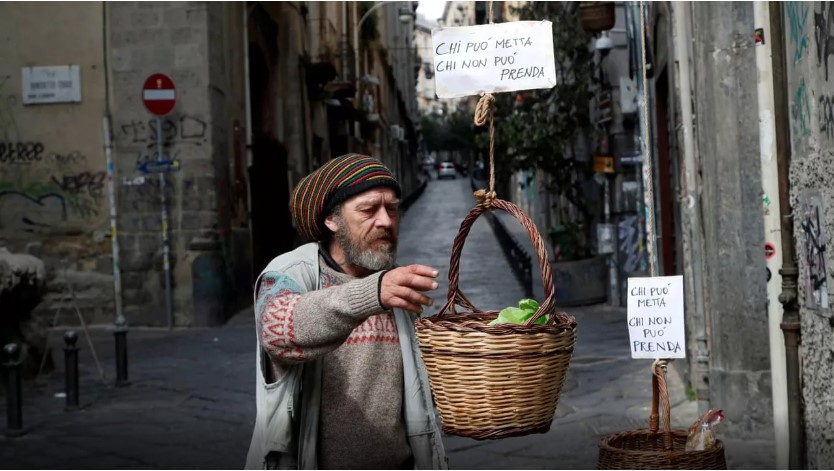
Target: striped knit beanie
(334, 182)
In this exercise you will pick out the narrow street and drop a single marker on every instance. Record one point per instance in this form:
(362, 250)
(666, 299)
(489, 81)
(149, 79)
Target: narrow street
(190, 404)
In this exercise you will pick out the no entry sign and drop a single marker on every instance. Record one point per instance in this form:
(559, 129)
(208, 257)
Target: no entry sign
(159, 94)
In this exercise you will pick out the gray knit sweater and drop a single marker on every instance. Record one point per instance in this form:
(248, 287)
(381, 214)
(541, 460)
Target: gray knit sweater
(361, 417)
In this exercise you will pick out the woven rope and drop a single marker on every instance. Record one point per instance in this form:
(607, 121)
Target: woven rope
(483, 110)
(656, 448)
(486, 109)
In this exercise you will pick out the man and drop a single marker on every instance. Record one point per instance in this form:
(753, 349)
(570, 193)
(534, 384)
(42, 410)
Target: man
(340, 380)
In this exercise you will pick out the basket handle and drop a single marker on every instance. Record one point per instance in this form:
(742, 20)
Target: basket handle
(455, 296)
(661, 393)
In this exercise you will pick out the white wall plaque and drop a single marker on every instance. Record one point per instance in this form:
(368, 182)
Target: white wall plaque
(56, 84)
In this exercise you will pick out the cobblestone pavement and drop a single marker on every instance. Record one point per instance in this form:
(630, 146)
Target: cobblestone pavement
(190, 404)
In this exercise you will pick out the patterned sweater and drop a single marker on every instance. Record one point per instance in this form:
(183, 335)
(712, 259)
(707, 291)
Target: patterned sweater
(361, 424)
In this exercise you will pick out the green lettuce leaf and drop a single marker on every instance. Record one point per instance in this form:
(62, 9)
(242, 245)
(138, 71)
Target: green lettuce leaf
(528, 304)
(519, 315)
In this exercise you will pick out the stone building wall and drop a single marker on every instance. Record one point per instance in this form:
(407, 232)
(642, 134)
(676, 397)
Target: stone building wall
(727, 138)
(809, 45)
(198, 45)
(53, 181)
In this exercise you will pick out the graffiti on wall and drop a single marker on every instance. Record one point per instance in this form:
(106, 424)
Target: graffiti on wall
(31, 213)
(801, 110)
(824, 34)
(826, 115)
(632, 253)
(182, 136)
(49, 195)
(186, 129)
(143, 193)
(12, 152)
(43, 189)
(813, 251)
(797, 13)
(8, 102)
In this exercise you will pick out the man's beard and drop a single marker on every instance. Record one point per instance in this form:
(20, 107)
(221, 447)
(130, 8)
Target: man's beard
(360, 253)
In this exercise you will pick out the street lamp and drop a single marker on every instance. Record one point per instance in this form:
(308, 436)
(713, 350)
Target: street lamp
(406, 15)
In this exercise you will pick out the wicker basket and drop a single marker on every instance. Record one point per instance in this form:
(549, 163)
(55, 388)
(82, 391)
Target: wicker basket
(496, 381)
(598, 16)
(655, 449)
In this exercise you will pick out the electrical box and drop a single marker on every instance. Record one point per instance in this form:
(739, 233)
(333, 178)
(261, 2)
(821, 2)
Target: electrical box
(606, 239)
(628, 96)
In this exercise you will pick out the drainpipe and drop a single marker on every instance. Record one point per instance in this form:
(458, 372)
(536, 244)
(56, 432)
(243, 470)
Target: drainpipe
(789, 297)
(770, 200)
(247, 101)
(647, 210)
(111, 190)
(691, 205)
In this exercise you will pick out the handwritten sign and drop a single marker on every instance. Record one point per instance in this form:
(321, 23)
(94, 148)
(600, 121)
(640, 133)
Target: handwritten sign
(655, 317)
(501, 57)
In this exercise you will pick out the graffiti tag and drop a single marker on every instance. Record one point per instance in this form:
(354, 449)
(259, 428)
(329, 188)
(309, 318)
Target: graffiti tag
(630, 247)
(29, 213)
(72, 158)
(801, 110)
(186, 129)
(826, 115)
(816, 283)
(797, 13)
(90, 182)
(20, 152)
(823, 34)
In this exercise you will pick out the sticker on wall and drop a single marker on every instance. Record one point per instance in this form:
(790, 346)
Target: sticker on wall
(770, 250)
(758, 34)
(766, 204)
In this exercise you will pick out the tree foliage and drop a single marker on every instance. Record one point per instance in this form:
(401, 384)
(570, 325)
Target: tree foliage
(540, 129)
(450, 132)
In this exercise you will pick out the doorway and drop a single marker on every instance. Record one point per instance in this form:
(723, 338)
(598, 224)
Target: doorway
(668, 198)
(269, 192)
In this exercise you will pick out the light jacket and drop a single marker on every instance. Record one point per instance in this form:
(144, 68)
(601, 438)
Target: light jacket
(287, 420)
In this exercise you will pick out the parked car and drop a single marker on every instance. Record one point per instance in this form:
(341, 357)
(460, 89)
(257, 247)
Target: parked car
(446, 170)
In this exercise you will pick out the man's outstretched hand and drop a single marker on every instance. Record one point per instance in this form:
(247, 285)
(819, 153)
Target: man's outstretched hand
(403, 288)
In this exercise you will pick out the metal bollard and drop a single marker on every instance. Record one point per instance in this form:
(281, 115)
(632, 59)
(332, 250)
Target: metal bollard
(121, 353)
(71, 368)
(14, 399)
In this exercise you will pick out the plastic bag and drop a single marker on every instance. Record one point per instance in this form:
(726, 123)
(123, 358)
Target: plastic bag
(702, 433)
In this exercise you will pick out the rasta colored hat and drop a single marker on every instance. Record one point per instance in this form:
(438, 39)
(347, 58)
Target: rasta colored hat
(334, 182)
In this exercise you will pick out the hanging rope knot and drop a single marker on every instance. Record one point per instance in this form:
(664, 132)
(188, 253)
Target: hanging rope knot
(661, 362)
(485, 198)
(484, 108)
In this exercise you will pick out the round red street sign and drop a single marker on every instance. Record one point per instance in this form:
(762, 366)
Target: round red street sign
(770, 250)
(159, 94)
